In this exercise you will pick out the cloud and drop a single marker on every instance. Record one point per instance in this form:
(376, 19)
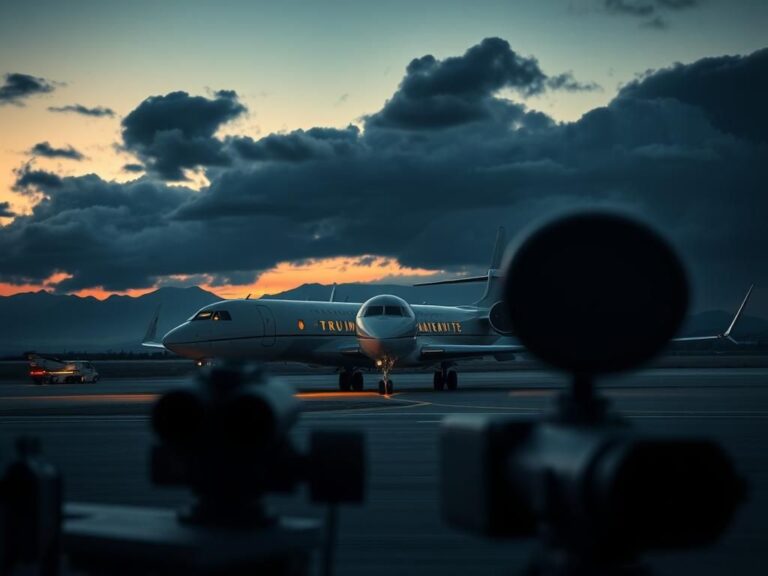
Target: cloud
(175, 132)
(299, 145)
(567, 82)
(18, 87)
(5, 210)
(461, 89)
(731, 90)
(29, 180)
(45, 150)
(96, 111)
(425, 192)
(133, 168)
(649, 10)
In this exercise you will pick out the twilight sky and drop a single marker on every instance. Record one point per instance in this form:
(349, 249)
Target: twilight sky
(252, 146)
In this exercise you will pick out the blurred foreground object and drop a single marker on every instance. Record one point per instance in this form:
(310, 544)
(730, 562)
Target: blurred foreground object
(589, 294)
(30, 512)
(228, 439)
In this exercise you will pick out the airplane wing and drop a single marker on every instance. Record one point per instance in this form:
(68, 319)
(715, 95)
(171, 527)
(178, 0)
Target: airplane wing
(150, 338)
(725, 335)
(454, 351)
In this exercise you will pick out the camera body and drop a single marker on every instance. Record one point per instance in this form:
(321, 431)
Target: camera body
(601, 489)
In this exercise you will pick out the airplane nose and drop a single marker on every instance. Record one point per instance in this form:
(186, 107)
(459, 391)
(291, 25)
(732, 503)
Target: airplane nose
(170, 338)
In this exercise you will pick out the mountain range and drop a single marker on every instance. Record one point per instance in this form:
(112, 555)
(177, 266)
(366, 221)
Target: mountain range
(57, 323)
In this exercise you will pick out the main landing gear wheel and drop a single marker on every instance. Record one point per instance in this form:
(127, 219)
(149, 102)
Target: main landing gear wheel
(387, 387)
(445, 379)
(357, 381)
(438, 382)
(452, 381)
(345, 381)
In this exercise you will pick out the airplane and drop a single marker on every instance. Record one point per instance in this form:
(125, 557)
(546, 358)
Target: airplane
(383, 332)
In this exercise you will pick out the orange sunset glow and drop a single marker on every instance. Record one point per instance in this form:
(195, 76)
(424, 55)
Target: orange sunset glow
(282, 277)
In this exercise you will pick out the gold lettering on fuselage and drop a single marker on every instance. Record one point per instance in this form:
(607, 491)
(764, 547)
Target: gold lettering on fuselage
(344, 326)
(348, 327)
(439, 327)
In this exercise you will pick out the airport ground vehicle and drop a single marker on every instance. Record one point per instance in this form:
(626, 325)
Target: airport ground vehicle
(46, 370)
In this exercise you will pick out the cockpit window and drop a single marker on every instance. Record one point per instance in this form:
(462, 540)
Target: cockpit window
(374, 311)
(393, 311)
(212, 315)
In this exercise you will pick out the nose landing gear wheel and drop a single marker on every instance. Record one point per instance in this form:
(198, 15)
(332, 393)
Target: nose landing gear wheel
(357, 381)
(438, 382)
(387, 387)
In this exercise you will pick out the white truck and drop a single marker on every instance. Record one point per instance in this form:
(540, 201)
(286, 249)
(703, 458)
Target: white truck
(46, 370)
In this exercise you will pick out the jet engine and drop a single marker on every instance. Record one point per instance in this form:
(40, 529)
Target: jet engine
(498, 317)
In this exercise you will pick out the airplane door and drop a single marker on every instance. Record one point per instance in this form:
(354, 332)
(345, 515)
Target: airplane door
(268, 319)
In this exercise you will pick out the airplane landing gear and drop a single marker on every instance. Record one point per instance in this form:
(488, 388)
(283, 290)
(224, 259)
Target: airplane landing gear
(445, 378)
(386, 387)
(438, 382)
(351, 380)
(357, 381)
(345, 381)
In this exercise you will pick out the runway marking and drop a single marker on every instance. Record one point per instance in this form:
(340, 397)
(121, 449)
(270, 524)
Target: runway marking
(481, 407)
(364, 409)
(334, 395)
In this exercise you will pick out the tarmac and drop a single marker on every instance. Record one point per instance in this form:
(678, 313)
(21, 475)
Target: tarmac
(98, 434)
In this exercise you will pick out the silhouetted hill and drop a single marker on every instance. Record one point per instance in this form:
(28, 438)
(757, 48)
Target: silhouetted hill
(43, 321)
(451, 294)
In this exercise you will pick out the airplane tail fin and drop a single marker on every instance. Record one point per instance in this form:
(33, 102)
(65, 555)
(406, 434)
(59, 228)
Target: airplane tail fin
(737, 316)
(727, 333)
(150, 338)
(492, 279)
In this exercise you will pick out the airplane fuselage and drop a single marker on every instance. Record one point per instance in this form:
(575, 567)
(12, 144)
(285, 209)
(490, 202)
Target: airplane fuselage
(323, 333)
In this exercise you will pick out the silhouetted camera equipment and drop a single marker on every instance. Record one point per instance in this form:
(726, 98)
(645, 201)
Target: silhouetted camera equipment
(227, 438)
(30, 512)
(589, 294)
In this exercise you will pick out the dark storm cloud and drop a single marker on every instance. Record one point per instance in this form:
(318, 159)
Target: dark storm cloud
(96, 111)
(461, 89)
(299, 145)
(45, 150)
(731, 90)
(133, 168)
(18, 87)
(429, 197)
(175, 132)
(5, 210)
